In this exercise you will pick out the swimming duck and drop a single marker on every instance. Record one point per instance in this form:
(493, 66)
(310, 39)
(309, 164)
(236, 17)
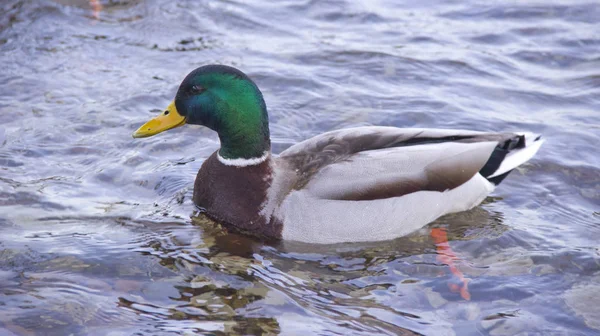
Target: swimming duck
(357, 184)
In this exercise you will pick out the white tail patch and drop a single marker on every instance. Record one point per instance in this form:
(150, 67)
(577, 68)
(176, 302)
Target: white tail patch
(519, 156)
(243, 162)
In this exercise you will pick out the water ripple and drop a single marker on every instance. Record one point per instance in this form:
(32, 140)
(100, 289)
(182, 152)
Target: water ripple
(96, 236)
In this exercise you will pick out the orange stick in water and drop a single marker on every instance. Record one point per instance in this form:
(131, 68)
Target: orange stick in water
(96, 7)
(447, 256)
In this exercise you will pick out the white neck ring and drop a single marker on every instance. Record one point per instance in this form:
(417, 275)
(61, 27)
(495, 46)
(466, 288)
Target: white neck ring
(244, 162)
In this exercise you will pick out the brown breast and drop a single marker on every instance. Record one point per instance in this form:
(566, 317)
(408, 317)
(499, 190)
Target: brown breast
(234, 196)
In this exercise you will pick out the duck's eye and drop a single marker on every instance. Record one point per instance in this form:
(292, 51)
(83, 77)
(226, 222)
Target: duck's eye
(197, 89)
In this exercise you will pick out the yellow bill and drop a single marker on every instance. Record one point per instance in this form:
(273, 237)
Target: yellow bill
(168, 119)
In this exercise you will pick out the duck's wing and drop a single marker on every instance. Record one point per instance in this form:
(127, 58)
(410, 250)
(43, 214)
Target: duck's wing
(377, 183)
(369, 163)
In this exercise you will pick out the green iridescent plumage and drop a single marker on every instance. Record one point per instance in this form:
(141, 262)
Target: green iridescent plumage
(227, 101)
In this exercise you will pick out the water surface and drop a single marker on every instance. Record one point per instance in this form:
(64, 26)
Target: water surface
(95, 230)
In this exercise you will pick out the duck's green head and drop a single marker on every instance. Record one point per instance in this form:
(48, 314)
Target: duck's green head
(225, 100)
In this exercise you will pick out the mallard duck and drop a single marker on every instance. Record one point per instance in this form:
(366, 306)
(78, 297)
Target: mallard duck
(357, 184)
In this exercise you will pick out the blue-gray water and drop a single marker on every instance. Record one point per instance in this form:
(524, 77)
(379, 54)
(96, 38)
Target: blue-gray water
(95, 229)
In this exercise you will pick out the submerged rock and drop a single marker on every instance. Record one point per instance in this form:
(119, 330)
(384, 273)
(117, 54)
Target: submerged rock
(584, 301)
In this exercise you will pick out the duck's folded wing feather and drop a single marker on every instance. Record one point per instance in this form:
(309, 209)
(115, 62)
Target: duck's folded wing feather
(369, 163)
(394, 172)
